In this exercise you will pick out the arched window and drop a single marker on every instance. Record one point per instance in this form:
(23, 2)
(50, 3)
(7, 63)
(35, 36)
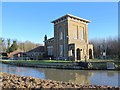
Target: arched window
(90, 53)
(78, 54)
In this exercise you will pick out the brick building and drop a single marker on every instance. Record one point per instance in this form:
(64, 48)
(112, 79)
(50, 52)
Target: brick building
(36, 53)
(70, 39)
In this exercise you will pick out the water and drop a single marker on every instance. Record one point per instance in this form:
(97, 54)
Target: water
(96, 77)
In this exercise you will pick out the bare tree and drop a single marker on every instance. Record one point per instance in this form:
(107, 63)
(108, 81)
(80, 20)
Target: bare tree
(27, 45)
(109, 45)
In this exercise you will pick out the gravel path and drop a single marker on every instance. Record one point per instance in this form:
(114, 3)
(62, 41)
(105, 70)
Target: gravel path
(14, 81)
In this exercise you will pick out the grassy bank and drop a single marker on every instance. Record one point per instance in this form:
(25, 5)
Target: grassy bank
(62, 64)
(103, 60)
(43, 64)
(37, 62)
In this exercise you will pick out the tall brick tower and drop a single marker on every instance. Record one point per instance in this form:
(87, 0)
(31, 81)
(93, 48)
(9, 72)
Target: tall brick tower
(71, 38)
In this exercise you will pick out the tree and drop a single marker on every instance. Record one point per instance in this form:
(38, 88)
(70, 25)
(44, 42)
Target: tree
(27, 45)
(2, 45)
(8, 41)
(108, 45)
(8, 45)
(14, 46)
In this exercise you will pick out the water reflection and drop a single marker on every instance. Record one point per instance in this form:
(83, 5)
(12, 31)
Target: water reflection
(110, 74)
(105, 78)
(69, 75)
(76, 76)
(23, 71)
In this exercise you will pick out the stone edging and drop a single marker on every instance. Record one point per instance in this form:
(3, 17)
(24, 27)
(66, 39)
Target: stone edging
(71, 67)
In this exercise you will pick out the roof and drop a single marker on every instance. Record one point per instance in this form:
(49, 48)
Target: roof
(69, 15)
(51, 38)
(37, 49)
(14, 52)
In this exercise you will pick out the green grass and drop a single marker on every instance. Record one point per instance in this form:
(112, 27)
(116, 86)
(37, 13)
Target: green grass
(96, 63)
(57, 61)
(102, 60)
(51, 62)
(40, 60)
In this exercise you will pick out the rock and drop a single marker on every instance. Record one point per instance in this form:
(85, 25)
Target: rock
(15, 81)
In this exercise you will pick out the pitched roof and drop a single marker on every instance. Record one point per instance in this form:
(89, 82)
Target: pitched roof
(14, 52)
(37, 49)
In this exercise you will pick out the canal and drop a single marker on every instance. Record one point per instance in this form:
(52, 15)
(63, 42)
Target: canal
(94, 77)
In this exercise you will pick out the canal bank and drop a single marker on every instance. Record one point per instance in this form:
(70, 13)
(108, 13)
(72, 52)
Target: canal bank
(62, 65)
(15, 81)
(55, 65)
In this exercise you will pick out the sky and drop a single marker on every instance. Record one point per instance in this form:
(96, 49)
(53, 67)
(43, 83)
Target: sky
(32, 20)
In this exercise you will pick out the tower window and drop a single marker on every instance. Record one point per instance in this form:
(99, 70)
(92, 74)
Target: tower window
(75, 32)
(81, 34)
(61, 50)
(61, 35)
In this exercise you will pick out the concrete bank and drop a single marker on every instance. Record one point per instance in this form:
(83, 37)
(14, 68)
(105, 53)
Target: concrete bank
(20, 82)
(55, 66)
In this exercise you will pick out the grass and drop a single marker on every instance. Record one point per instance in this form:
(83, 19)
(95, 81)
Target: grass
(103, 60)
(58, 61)
(48, 62)
(96, 63)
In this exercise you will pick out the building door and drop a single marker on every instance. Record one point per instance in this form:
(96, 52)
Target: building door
(78, 53)
(90, 53)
